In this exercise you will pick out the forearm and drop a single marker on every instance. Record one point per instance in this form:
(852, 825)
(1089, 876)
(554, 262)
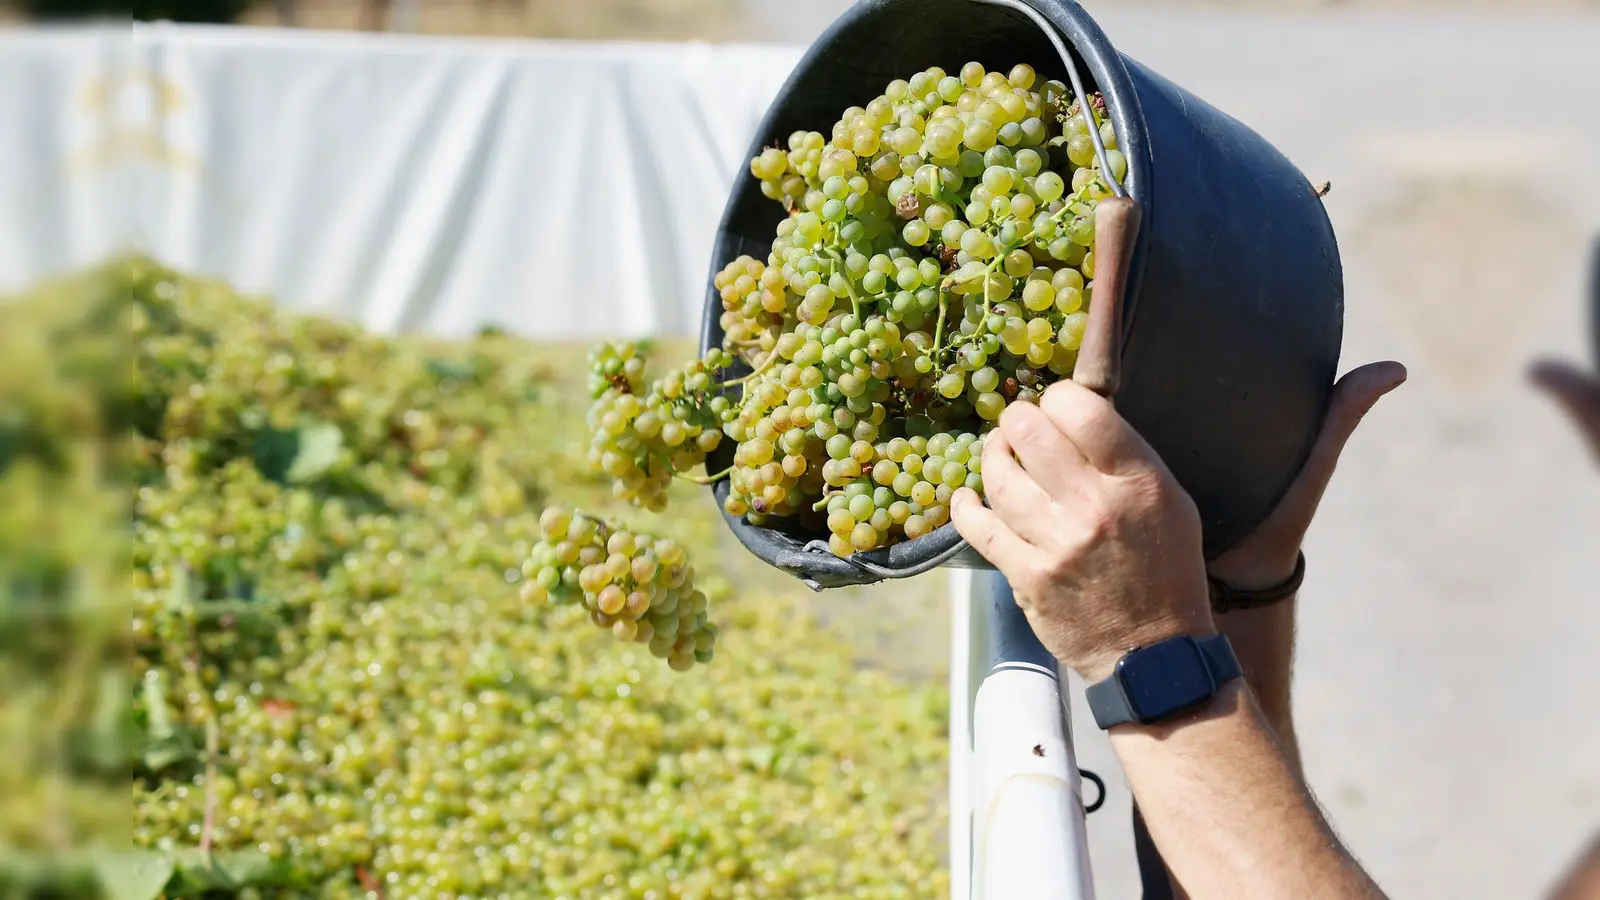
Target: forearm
(1227, 810)
(1263, 639)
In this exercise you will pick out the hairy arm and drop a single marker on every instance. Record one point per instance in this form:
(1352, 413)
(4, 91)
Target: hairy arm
(1227, 807)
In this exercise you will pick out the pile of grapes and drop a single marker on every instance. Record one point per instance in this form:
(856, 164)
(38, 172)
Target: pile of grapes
(340, 679)
(935, 266)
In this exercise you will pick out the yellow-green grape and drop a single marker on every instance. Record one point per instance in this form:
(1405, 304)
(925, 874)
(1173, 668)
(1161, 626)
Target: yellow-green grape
(754, 301)
(641, 439)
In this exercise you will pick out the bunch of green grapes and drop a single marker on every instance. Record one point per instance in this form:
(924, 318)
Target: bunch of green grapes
(754, 306)
(937, 264)
(640, 588)
(904, 489)
(640, 437)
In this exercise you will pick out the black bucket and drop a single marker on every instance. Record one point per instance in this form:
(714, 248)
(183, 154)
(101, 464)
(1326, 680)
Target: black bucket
(1234, 313)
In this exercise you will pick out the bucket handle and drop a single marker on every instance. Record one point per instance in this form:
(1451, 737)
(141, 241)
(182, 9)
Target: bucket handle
(1117, 219)
(1076, 79)
(883, 573)
(1116, 232)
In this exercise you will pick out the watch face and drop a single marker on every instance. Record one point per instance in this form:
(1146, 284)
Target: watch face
(1165, 678)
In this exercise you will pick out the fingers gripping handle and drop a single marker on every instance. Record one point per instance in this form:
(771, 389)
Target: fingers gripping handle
(1099, 366)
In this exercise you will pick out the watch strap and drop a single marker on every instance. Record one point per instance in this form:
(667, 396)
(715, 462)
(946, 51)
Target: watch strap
(1218, 653)
(1109, 704)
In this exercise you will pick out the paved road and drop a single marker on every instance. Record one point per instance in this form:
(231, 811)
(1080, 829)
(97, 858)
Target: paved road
(1448, 676)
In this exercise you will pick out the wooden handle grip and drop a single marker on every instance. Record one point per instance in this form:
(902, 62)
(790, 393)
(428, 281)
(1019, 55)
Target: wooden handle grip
(1116, 232)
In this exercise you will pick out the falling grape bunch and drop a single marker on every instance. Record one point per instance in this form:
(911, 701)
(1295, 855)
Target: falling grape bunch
(936, 265)
(640, 588)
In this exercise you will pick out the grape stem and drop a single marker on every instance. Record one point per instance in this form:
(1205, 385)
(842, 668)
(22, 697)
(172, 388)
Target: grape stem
(705, 479)
(209, 823)
(944, 196)
(849, 283)
(766, 364)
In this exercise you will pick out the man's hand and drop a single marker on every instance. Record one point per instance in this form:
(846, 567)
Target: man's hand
(1578, 393)
(1264, 638)
(1268, 555)
(1100, 544)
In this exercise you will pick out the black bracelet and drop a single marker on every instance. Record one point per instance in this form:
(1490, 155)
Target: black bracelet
(1225, 597)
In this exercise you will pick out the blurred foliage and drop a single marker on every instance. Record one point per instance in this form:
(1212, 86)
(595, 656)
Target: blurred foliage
(330, 686)
(65, 721)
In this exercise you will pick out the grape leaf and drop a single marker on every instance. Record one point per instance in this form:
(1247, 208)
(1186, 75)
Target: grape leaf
(247, 867)
(762, 757)
(159, 754)
(318, 450)
(443, 369)
(165, 744)
(274, 452)
(199, 871)
(298, 456)
(228, 871)
(140, 875)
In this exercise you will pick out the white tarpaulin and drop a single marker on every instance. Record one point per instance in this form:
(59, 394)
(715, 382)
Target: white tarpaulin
(555, 188)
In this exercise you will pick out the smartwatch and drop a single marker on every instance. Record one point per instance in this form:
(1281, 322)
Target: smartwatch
(1166, 679)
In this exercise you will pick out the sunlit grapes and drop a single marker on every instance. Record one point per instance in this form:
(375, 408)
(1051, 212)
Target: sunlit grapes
(638, 587)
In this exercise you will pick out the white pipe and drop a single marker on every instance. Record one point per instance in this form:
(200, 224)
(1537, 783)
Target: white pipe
(1030, 840)
(1017, 828)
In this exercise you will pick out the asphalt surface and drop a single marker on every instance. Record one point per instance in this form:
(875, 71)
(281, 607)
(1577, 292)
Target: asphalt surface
(1449, 663)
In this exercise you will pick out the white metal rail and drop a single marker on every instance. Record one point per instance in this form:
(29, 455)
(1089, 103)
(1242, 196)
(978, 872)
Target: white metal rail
(1017, 829)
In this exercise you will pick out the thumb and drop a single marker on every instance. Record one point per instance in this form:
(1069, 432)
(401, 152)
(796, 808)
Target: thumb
(1577, 392)
(1355, 394)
